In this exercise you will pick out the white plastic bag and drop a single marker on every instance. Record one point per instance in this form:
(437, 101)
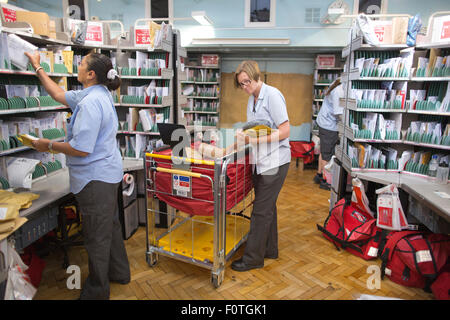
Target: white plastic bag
(328, 170)
(19, 286)
(367, 30)
(390, 214)
(359, 198)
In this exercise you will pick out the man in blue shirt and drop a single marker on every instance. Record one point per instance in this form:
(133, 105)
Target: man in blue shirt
(95, 168)
(327, 120)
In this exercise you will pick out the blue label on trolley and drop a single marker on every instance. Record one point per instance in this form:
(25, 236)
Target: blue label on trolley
(181, 185)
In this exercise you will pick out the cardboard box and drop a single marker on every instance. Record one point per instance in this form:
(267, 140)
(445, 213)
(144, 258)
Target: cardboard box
(40, 21)
(399, 30)
(52, 29)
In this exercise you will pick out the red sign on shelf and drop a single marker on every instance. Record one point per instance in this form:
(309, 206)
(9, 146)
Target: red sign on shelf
(379, 32)
(210, 60)
(445, 31)
(142, 36)
(441, 29)
(325, 61)
(9, 14)
(94, 33)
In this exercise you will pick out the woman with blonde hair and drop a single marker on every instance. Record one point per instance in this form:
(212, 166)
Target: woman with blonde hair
(272, 157)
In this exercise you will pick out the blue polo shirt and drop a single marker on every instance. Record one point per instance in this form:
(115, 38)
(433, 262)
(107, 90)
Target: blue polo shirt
(92, 128)
(270, 106)
(330, 110)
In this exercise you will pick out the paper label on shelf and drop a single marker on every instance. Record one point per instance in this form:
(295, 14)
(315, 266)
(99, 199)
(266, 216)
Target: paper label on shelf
(182, 185)
(94, 33)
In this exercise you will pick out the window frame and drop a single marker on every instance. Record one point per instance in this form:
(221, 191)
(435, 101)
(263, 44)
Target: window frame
(312, 15)
(384, 7)
(148, 10)
(65, 5)
(271, 23)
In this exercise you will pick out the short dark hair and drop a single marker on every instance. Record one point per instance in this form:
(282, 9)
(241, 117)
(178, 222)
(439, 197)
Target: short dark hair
(101, 64)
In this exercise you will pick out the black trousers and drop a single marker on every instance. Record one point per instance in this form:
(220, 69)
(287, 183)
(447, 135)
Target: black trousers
(263, 235)
(102, 235)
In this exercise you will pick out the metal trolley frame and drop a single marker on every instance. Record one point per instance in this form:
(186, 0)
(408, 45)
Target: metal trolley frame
(180, 166)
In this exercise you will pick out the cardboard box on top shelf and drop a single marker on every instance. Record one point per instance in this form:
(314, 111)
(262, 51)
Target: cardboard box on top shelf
(52, 29)
(60, 31)
(40, 21)
(399, 30)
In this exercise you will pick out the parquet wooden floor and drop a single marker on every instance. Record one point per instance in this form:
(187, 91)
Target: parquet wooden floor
(308, 267)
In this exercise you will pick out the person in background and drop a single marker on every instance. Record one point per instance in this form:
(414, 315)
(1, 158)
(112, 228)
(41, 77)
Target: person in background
(273, 155)
(327, 119)
(95, 167)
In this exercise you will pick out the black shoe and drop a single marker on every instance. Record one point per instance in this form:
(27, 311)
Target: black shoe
(324, 185)
(240, 265)
(317, 178)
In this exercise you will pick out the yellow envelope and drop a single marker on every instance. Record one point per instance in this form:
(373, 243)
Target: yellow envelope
(23, 199)
(26, 139)
(259, 130)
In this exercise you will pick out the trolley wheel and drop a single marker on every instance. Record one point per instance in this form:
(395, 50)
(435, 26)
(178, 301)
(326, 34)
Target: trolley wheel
(217, 279)
(152, 259)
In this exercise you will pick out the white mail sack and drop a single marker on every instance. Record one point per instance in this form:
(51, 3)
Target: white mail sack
(390, 214)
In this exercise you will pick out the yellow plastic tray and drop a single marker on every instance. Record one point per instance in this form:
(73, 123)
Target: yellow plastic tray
(180, 240)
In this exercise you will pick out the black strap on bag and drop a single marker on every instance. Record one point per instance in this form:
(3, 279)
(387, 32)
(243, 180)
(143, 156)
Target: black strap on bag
(429, 279)
(389, 247)
(344, 205)
(343, 243)
(323, 230)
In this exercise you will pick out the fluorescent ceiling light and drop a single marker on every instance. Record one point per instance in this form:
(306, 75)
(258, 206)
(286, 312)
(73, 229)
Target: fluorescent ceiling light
(201, 18)
(241, 41)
